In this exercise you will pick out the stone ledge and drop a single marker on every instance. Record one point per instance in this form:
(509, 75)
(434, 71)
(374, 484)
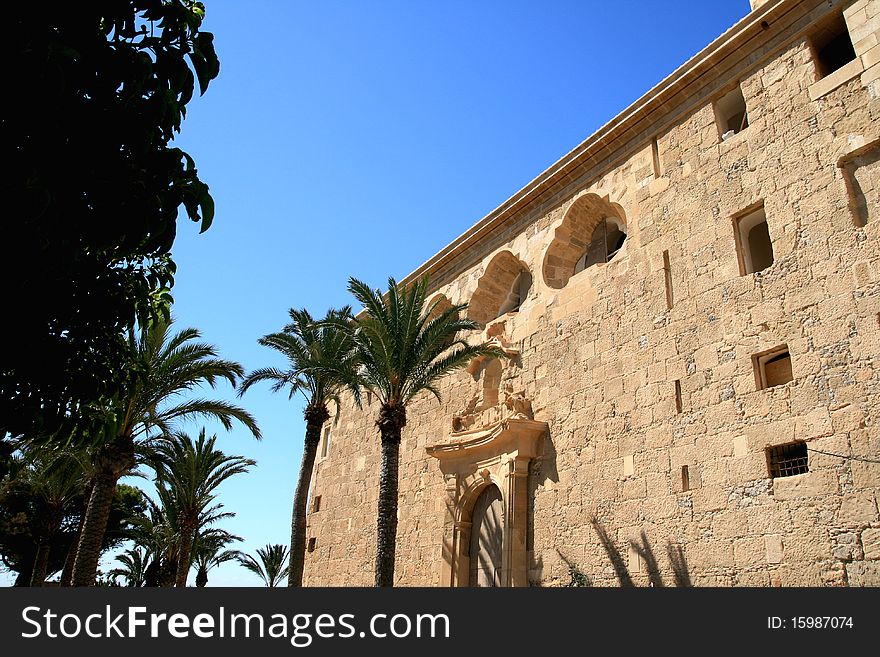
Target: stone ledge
(840, 77)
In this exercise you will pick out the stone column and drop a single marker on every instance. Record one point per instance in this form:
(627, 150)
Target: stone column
(514, 565)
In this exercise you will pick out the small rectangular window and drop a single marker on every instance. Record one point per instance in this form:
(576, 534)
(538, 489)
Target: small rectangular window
(685, 479)
(312, 544)
(787, 460)
(730, 113)
(655, 157)
(678, 396)
(667, 273)
(754, 246)
(316, 504)
(325, 445)
(773, 367)
(832, 46)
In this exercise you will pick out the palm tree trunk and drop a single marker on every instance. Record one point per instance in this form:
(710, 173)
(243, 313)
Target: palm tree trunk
(315, 419)
(40, 564)
(183, 559)
(390, 425)
(112, 461)
(167, 573)
(67, 573)
(202, 577)
(88, 551)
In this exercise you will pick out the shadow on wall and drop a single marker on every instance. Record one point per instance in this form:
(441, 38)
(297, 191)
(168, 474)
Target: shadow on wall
(541, 470)
(863, 168)
(674, 552)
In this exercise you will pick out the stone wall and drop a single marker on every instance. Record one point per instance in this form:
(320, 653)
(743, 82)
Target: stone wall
(633, 390)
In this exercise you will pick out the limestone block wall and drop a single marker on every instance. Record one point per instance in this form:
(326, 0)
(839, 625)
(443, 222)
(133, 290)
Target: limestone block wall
(646, 365)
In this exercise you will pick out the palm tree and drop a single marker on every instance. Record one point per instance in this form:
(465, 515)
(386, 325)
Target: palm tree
(403, 349)
(316, 353)
(164, 368)
(209, 550)
(54, 479)
(157, 534)
(57, 481)
(134, 566)
(271, 567)
(188, 474)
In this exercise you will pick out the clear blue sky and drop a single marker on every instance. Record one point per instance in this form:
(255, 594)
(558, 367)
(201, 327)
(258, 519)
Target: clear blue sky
(359, 138)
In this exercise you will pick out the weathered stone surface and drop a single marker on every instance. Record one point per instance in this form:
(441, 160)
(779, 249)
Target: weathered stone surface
(646, 363)
(811, 484)
(857, 509)
(863, 573)
(871, 543)
(773, 548)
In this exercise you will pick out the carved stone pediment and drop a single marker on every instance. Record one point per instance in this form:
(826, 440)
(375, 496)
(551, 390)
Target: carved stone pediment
(514, 436)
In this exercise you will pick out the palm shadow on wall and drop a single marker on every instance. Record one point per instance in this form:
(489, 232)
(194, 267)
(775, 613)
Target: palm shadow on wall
(674, 552)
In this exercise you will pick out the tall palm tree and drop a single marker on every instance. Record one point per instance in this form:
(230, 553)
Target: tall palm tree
(188, 474)
(167, 367)
(209, 550)
(403, 349)
(272, 566)
(318, 357)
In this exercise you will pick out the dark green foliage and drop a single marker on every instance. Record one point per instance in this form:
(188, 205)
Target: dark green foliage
(577, 577)
(20, 507)
(92, 188)
(173, 365)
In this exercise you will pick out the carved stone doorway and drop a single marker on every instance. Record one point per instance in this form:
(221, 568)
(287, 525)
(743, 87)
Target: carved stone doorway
(485, 465)
(487, 530)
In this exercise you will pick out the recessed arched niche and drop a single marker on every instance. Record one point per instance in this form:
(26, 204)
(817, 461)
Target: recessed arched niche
(592, 232)
(502, 289)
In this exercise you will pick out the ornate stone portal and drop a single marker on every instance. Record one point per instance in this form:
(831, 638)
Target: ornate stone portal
(492, 442)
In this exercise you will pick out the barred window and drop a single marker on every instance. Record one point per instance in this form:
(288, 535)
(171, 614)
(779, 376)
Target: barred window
(787, 460)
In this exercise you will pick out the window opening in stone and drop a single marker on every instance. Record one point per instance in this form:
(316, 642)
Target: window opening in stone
(519, 290)
(312, 544)
(316, 504)
(787, 460)
(832, 46)
(325, 445)
(685, 479)
(655, 157)
(678, 396)
(607, 239)
(730, 113)
(754, 244)
(773, 368)
(667, 274)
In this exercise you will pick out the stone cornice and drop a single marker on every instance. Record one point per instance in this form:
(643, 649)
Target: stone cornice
(518, 435)
(654, 112)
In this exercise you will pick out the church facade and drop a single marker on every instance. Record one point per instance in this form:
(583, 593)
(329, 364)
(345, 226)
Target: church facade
(689, 302)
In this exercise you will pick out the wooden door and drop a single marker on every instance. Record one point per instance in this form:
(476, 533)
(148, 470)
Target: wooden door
(487, 529)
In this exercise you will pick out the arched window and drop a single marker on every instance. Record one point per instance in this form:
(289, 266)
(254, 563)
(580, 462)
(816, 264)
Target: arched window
(519, 290)
(606, 241)
(592, 232)
(503, 288)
